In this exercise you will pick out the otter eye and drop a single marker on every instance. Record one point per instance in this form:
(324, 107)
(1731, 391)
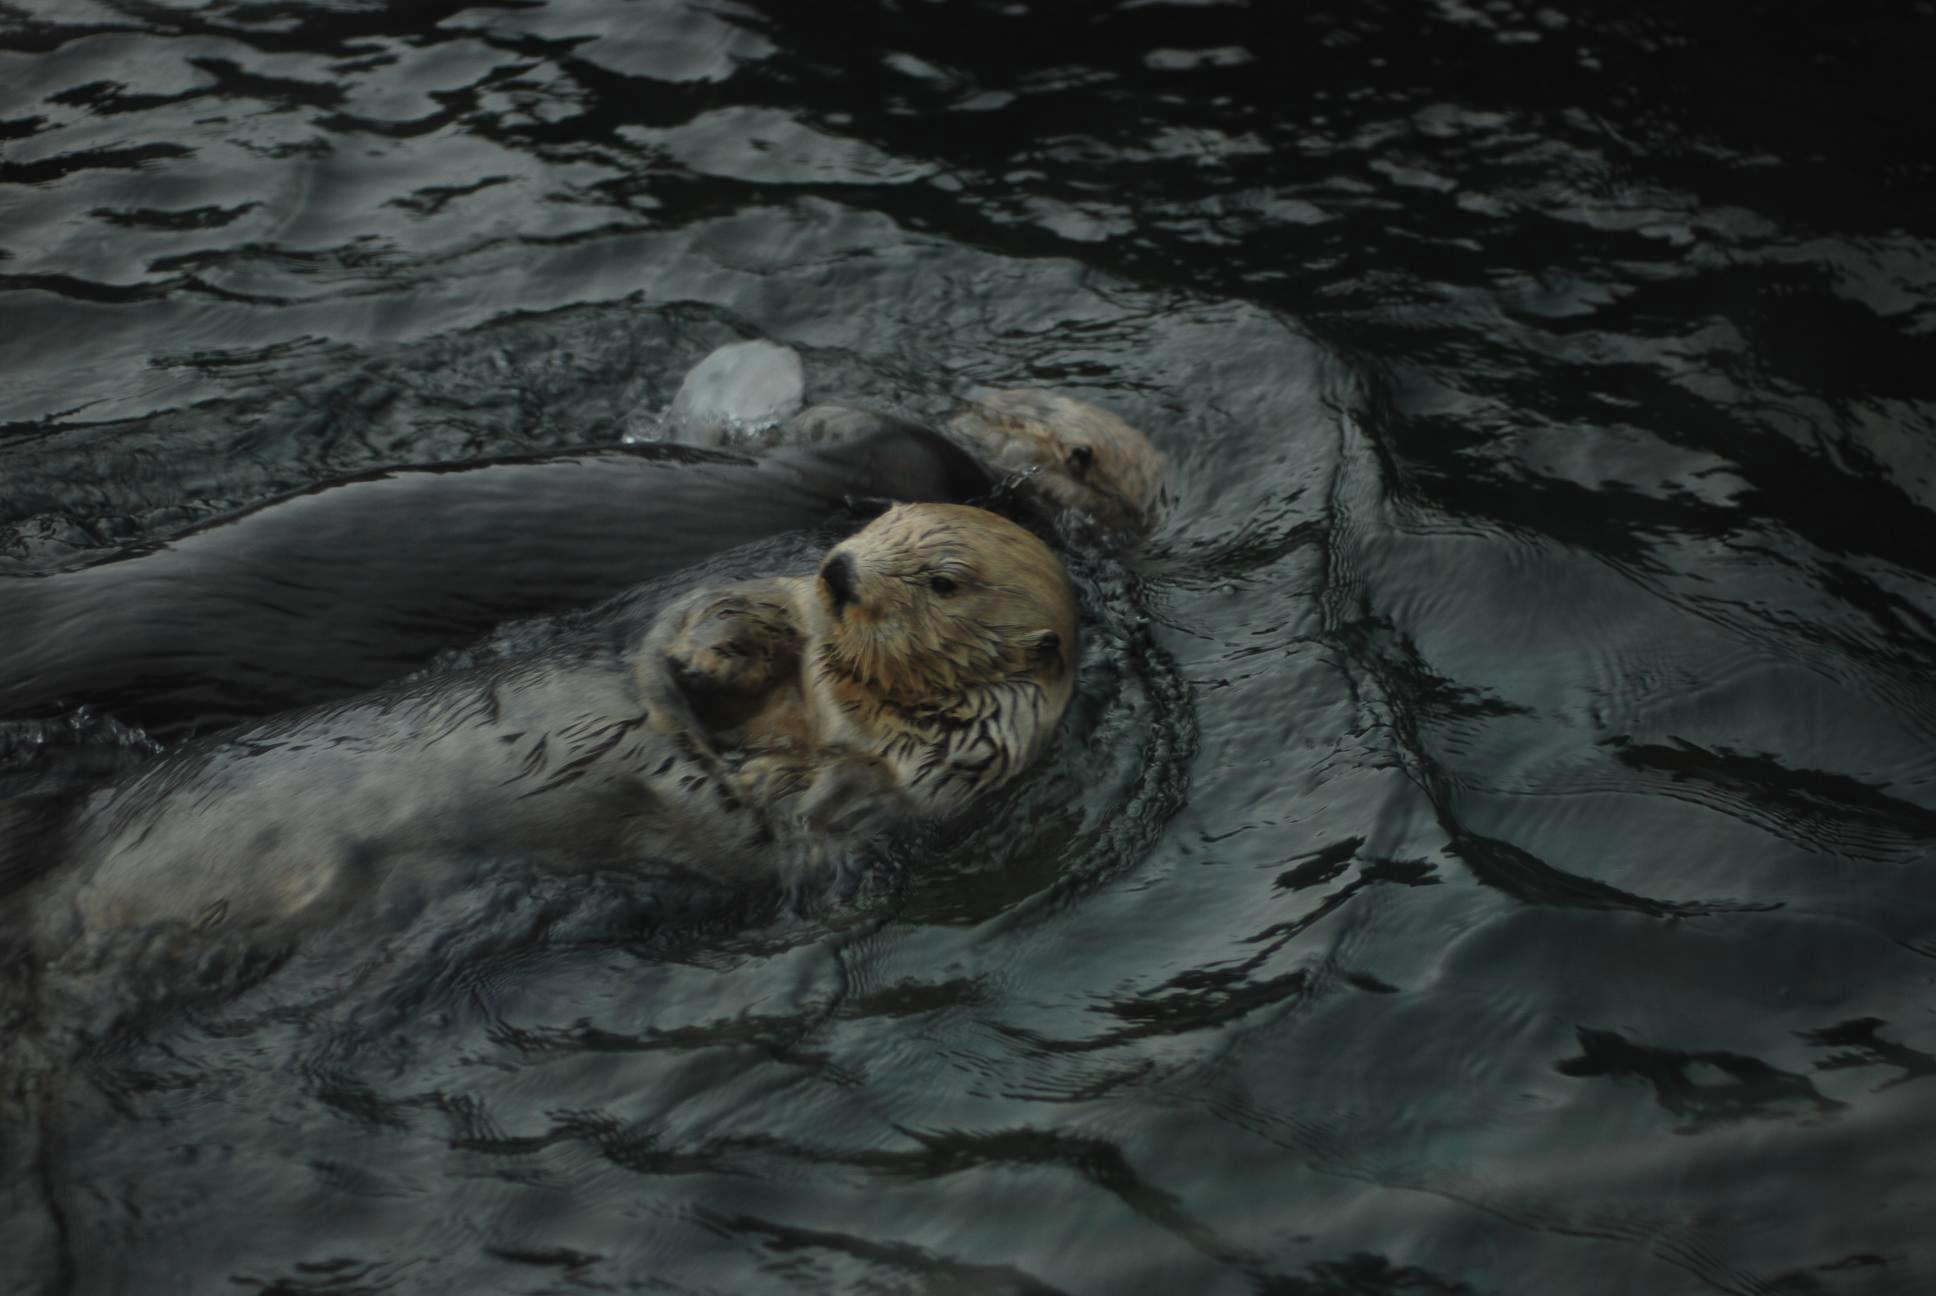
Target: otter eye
(942, 585)
(1080, 460)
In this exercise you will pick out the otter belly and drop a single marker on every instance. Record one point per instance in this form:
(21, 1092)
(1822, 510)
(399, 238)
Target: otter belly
(286, 825)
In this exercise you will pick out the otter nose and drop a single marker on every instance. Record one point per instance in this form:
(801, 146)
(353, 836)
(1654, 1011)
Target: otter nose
(837, 573)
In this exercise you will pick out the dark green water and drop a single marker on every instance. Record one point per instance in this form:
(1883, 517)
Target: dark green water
(1493, 853)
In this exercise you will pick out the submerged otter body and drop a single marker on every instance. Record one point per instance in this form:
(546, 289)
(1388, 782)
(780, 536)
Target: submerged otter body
(872, 703)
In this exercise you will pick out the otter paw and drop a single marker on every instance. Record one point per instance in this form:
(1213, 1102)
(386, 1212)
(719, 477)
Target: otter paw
(720, 669)
(771, 778)
(734, 645)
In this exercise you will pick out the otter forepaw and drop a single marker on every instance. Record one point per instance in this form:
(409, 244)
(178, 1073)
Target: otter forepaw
(711, 662)
(735, 645)
(720, 667)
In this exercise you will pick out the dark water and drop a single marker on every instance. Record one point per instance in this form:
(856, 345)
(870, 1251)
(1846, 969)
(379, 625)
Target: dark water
(1493, 850)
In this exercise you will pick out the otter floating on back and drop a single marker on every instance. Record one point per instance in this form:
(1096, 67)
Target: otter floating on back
(927, 662)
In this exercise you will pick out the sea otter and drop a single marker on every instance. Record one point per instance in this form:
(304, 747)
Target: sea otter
(351, 583)
(927, 661)
(1076, 455)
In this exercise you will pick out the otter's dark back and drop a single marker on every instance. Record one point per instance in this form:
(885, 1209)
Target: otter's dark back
(344, 586)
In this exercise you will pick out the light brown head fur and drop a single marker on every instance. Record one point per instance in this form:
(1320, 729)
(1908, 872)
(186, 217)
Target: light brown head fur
(932, 601)
(1079, 455)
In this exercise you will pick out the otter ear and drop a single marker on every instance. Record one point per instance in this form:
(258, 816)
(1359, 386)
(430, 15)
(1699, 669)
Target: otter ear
(1045, 645)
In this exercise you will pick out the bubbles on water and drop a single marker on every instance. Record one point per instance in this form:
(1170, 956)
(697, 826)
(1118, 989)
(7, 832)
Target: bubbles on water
(731, 398)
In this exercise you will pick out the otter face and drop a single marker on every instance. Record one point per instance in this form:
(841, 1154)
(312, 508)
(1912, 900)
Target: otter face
(1080, 455)
(930, 600)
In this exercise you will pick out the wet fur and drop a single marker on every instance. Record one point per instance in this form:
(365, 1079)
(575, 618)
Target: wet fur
(936, 678)
(344, 586)
(285, 825)
(1077, 455)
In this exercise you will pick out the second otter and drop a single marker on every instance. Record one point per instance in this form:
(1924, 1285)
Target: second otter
(928, 661)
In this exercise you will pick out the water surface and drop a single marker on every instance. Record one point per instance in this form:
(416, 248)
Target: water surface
(1492, 851)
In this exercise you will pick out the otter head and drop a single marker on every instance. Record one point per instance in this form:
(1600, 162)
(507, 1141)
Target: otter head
(929, 601)
(1078, 455)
